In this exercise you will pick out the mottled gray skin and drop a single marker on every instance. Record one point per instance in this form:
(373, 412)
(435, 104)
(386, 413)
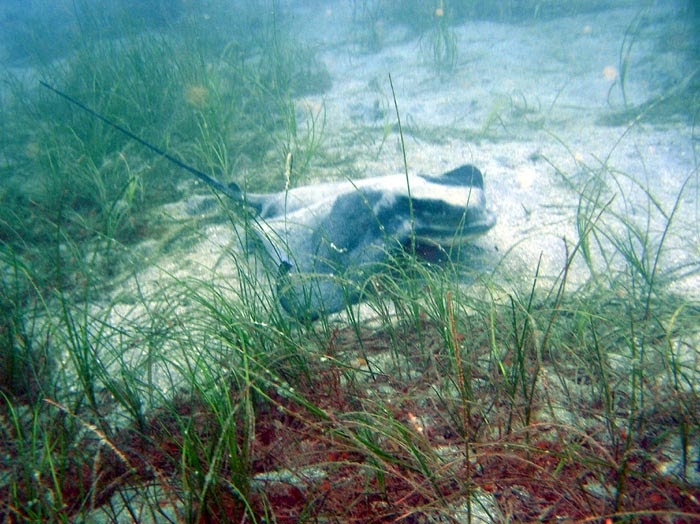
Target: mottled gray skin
(327, 239)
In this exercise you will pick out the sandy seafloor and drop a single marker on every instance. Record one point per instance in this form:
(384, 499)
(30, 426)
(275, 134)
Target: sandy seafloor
(548, 81)
(532, 94)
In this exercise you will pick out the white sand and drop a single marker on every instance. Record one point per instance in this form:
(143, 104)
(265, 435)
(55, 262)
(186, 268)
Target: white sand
(548, 82)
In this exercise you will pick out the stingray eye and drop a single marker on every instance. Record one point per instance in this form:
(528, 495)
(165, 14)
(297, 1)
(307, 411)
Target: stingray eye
(284, 268)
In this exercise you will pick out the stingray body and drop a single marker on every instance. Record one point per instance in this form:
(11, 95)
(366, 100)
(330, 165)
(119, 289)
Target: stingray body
(326, 240)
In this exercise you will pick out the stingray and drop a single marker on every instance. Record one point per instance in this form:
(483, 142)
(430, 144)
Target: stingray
(325, 241)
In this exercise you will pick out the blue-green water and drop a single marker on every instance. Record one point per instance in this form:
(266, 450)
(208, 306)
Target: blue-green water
(125, 282)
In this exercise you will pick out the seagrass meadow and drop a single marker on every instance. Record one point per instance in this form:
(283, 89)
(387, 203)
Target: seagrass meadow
(544, 372)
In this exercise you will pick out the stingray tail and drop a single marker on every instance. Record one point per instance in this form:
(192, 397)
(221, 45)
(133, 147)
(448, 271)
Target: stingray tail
(232, 190)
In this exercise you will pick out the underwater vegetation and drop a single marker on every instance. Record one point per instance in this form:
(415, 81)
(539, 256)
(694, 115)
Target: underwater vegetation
(226, 108)
(678, 94)
(418, 14)
(455, 393)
